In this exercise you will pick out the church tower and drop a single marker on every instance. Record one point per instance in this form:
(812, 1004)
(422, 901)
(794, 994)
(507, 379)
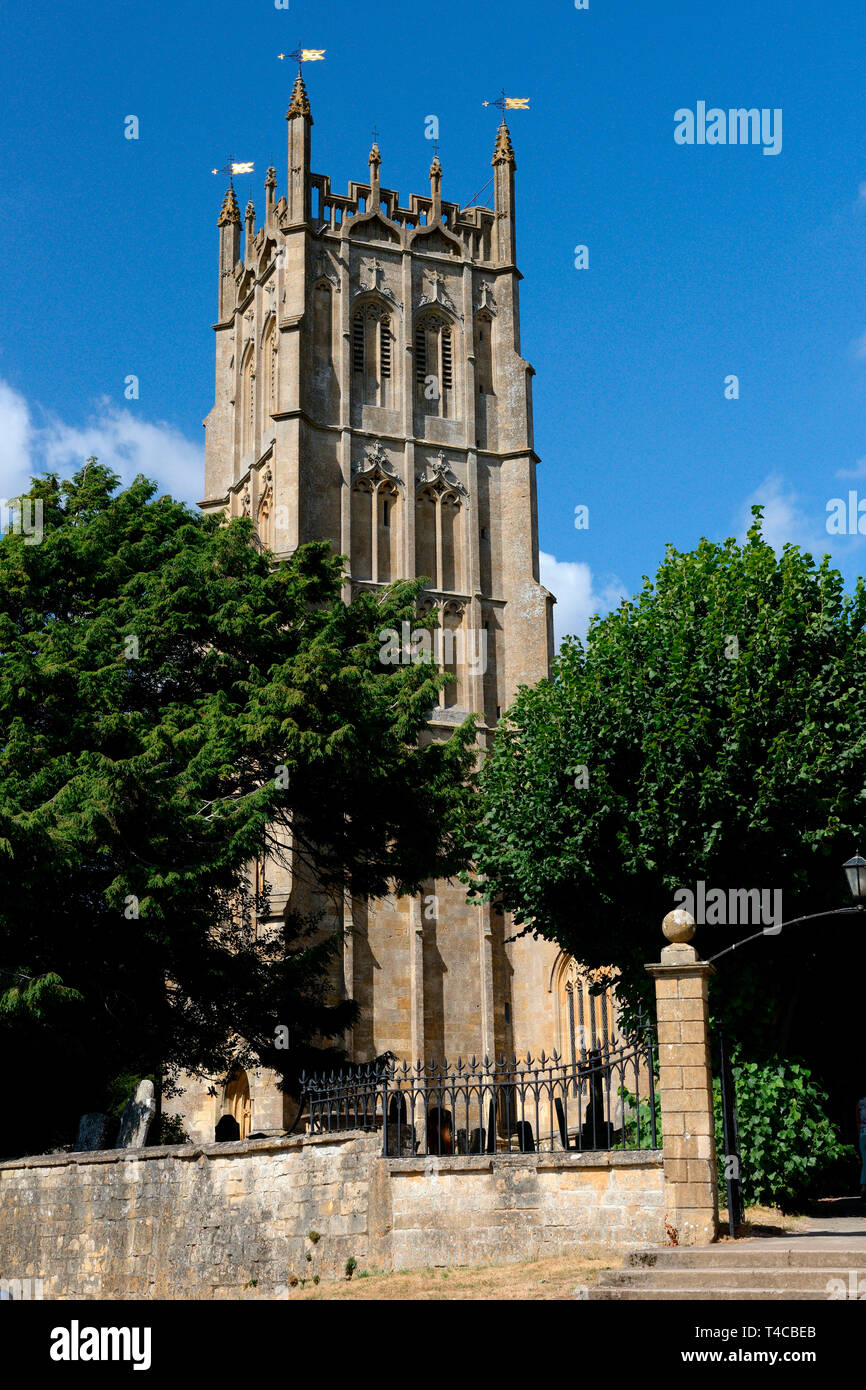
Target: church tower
(370, 391)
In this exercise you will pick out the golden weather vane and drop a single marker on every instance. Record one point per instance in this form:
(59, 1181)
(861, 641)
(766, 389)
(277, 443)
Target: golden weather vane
(305, 55)
(232, 167)
(509, 103)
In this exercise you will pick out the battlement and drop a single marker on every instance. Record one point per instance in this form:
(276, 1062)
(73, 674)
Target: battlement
(367, 211)
(332, 209)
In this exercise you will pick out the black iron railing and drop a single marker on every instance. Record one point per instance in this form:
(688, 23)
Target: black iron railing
(604, 1100)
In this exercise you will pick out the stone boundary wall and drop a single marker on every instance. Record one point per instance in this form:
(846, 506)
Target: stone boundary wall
(205, 1221)
(499, 1209)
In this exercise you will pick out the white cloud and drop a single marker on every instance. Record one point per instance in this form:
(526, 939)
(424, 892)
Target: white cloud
(858, 471)
(117, 436)
(577, 598)
(784, 518)
(858, 347)
(15, 436)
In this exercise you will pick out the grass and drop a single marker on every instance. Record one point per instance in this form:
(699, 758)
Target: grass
(534, 1280)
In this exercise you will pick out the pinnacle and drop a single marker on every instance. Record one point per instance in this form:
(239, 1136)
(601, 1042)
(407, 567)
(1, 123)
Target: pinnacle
(503, 152)
(299, 103)
(229, 211)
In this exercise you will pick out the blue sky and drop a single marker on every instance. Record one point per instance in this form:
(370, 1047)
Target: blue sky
(705, 261)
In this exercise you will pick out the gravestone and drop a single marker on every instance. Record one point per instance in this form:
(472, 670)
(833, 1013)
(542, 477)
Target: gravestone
(402, 1144)
(227, 1130)
(440, 1131)
(525, 1137)
(137, 1116)
(92, 1132)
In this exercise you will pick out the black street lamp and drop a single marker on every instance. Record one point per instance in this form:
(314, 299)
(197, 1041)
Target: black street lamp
(855, 872)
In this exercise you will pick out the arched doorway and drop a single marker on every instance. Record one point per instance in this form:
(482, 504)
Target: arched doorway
(237, 1100)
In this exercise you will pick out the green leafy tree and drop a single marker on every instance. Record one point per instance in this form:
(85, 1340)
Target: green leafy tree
(790, 1151)
(173, 703)
(713, 729)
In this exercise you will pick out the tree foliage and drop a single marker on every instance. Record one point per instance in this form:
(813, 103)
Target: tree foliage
(172, 704)
(713, 729)
(791, 1152)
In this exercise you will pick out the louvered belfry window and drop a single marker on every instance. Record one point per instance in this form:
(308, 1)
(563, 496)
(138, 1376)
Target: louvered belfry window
(434, 365)
(446, 359)
(420, 355)
(385, 348)
(358, 343)
(371, 355)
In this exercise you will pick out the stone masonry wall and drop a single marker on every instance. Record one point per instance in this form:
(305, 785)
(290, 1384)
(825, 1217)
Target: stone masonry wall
(474, 1210)
(206, 1221)
(193, 1222)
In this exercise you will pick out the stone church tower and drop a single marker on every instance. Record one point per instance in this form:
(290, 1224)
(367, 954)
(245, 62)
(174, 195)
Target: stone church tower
(370, 391)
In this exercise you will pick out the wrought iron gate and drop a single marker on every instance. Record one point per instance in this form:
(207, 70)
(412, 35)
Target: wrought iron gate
(732, 1164)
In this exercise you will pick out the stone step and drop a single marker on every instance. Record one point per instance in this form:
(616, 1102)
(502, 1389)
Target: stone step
(732, 1277)
(762, 1254)
(665, 1293)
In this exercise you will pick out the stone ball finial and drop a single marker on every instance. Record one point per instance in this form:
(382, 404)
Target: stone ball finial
(679, 925)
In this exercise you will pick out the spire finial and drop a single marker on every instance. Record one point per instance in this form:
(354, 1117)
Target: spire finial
(435, 167)
(229, 212)
(299, 102)
(503, 151)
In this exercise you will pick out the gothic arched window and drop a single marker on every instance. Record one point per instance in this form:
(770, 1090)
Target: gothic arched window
(434, 364)
(439, 528)
(363, 501)
(371, 355)
(452, 657)
(269, 365)
(375, 533)
(248, 400)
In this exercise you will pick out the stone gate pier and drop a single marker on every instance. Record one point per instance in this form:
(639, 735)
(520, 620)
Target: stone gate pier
(686, 1084)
